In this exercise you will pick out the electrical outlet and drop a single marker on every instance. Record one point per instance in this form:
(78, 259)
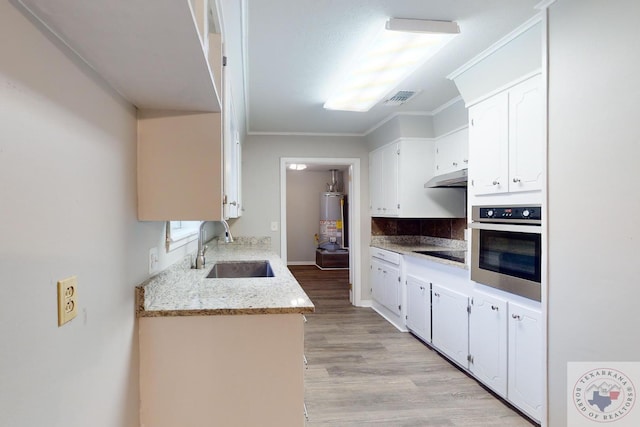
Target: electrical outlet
(67, 299)
(154, 260)
(274, 225)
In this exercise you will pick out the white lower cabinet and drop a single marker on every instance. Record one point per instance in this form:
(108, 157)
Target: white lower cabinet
(386, 289)
(488, 341)
(450, 323)
(386, 285)
(525, 360)
(418, 315)
(495, 336)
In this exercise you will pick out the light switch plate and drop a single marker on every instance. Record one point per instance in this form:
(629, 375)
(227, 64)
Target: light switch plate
(154, 260)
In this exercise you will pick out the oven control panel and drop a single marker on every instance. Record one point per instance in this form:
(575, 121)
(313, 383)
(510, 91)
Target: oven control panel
(515, 214)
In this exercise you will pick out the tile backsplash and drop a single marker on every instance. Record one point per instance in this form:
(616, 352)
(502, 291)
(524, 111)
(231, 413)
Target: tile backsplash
(446, 228)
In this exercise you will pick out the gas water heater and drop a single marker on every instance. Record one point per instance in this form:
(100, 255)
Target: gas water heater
(331, 216)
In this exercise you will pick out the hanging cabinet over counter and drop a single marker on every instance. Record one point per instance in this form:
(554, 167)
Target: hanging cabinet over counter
(398, 172)
(167, 60)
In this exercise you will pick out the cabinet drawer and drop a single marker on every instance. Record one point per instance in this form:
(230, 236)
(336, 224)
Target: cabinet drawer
(388, 256)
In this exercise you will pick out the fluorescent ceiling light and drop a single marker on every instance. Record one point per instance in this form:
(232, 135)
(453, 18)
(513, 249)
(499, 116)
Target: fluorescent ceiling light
(297, 167)
(398, 51)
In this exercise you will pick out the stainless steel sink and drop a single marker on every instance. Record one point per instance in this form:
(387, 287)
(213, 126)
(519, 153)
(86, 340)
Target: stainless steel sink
(236, 269)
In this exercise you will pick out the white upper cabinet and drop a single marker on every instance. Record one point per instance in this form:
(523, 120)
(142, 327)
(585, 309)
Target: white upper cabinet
(398, 172)
(390, 179)
(232, 158)
(506, 140)
(489, 145)
(153, 53)
(452, 152)
(526, 135)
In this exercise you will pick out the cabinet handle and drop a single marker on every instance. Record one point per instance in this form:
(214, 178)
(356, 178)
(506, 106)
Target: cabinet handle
(516, 180)
(422, 288)
(496, 183)
(516, 316)
(436, 294)
(455, 164)
(495, 308)
(234, 203)
(466, 160)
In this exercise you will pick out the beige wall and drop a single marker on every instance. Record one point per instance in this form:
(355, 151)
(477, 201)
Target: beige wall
(67, 207)
(303, 212)
(594, 87)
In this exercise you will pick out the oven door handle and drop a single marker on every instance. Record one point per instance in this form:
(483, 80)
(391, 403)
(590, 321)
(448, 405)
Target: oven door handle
(532, 229)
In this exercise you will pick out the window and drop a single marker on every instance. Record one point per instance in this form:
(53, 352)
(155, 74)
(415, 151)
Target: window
(179, 233)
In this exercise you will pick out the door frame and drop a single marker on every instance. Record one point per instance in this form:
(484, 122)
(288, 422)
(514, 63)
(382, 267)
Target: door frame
(355, 243)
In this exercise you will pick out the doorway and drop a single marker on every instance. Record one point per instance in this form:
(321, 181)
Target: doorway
(351, 168)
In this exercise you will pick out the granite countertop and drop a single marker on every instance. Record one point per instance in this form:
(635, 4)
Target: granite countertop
(408, 248)
(183, 291)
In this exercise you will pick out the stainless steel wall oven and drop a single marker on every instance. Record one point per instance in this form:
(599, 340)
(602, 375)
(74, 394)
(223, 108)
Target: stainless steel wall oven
(506, 250)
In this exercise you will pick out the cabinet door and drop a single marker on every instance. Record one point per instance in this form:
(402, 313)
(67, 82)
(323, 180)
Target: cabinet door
(180, 159)
(390, 179)
(488, 145)
(526, 135)
(450, 323)
(377, 280)
(375, 183)
(525, 359)
(488, 341)
(452, 152)
(393, 289)
(231, 160)
(419, 307)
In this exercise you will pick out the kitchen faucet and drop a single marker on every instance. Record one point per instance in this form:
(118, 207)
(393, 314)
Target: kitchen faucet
(202, 248)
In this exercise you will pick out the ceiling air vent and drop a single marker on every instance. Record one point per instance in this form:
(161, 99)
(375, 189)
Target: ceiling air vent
(399, 98)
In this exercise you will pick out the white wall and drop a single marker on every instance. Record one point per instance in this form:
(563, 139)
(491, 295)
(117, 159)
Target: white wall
(594, 227)
(520, 56)
(67, 207)
(403, 125)
(303, 213)
(451, 118)
(261, 181)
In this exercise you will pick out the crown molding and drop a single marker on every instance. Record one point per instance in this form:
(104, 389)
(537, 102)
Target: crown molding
(497, 46)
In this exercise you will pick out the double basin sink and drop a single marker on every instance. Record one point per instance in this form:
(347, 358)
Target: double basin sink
(240, 269)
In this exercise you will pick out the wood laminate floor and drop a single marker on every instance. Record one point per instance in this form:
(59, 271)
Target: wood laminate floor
(364, 372)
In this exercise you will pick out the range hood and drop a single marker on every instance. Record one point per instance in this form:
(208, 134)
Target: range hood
(452, 179)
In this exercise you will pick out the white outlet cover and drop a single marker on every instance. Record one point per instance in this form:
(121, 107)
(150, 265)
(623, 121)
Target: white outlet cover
(274, 225)
(154, 260)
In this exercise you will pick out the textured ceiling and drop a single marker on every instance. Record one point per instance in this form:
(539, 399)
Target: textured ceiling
(295, 50)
